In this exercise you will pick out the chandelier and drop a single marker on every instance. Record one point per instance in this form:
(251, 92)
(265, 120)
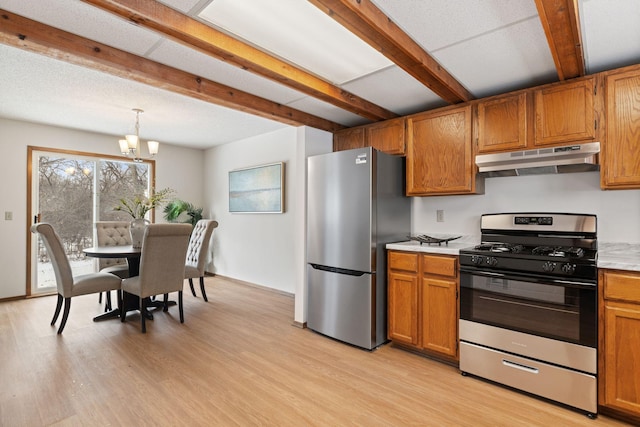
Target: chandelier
(130, 146)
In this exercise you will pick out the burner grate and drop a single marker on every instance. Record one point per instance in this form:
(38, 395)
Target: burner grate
(558, 251)
(500, 247)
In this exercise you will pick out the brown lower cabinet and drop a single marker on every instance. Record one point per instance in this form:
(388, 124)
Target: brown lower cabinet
(423, 302)
(619, 343)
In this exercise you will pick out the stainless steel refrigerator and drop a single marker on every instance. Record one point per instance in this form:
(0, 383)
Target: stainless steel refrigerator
(355, 205)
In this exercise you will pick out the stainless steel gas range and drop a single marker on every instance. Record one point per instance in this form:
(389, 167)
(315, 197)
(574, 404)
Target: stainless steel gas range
(528, 306)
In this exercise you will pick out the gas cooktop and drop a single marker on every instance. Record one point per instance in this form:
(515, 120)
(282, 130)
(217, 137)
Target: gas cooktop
(549, 244)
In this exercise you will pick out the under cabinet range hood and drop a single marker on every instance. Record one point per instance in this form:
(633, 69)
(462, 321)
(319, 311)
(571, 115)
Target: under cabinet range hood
(570, 158)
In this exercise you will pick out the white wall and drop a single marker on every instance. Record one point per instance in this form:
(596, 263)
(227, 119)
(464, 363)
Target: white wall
(618, 211)
(265, 249)
(256, 248)
(179, 168)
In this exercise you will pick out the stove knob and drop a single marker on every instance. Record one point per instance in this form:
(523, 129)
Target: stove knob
(549, 266)
(492, 261)
(476, 259)
(569, 268)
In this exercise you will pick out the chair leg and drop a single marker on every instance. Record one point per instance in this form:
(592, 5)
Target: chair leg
(165, 305)
(107, 305)
(123, 307)
(204, 294)
(143, 308)
(180, 307)
(57, 312)
(100, 298)
(193, 291)
(120, 304)
(65, 314)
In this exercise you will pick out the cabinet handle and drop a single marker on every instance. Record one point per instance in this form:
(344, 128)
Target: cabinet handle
(519, 366)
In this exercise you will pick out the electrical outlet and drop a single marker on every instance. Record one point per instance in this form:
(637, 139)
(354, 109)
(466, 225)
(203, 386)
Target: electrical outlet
(8, 216)
(440, 215)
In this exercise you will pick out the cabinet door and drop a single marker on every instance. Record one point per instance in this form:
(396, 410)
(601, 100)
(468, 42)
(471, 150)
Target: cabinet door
(439, 316)
(387, 136)
(403, 307)
(439, 153)
(565, 113)
(348, 139)
(620, 154)
(622, 357)
(502, 124)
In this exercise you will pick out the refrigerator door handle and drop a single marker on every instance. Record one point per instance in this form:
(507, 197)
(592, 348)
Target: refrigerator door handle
(337, 270)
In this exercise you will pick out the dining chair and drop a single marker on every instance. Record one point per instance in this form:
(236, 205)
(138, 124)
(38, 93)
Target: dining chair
(69, 286)
(113, 233)
(161, 268)
(197, 253)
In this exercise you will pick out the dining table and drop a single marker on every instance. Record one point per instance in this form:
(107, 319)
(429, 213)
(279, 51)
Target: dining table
(132, 255)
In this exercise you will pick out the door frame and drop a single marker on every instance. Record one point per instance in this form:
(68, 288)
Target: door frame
(30, 214)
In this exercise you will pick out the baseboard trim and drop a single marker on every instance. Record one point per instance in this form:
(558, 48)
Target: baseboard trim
(301, 325)
(255, 285)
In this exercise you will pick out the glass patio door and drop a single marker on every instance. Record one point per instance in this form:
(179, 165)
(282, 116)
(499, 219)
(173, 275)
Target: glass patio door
(71, 192)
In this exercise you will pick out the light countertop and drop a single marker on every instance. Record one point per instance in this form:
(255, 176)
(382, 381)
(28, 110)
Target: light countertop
(617, 256)
(451, 248)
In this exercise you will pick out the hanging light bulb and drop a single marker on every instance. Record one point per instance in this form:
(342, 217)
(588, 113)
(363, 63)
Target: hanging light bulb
(130, 145)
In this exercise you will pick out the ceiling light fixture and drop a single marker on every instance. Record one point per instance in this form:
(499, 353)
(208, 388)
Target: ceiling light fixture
(130, 146)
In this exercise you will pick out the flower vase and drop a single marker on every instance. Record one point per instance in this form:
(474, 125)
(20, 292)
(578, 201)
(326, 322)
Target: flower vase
(138, 226)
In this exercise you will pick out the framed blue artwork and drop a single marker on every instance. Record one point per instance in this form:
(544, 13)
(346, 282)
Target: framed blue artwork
(258, 189)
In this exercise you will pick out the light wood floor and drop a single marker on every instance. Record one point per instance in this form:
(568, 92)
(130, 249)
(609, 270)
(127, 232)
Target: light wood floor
(236, 361)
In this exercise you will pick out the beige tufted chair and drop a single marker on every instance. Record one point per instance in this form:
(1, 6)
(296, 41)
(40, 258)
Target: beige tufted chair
(69, 286)
(113, 233)
(197, 253)
(161, 267)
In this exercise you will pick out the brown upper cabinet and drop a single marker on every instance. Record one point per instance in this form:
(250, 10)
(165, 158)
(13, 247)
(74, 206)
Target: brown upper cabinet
(349, 138)
(387, 136)
(440, 153)
(620, 156)
(556, 114)
(565, 113)
(502, 123)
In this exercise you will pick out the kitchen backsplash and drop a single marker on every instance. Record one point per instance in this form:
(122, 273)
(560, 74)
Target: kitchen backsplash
(618, 211)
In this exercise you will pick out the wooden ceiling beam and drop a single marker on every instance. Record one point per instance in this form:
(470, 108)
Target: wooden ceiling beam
(364, 19)
(196, 35)
(34, 36)
(561, 23)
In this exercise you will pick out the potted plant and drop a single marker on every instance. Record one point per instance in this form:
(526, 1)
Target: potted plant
(174, 210)
(137, 207)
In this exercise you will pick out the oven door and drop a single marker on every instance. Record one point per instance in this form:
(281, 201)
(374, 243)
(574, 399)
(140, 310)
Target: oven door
(550, 308)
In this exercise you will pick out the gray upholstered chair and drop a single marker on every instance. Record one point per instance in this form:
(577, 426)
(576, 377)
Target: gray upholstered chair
(113, 233)
(161, 267)
(197, 253)
(69, 286)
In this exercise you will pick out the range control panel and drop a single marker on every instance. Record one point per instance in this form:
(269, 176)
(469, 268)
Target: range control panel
(533, 220)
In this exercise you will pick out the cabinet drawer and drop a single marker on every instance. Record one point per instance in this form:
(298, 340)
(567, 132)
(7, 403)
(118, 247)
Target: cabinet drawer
(622, 286)
(403, 261)
(440, 265)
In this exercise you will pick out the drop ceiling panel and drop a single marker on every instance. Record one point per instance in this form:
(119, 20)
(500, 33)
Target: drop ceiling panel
(322, 109)
(184, 6)
(87, 21)
(200, 64)
(44, 90)
(300, 33)
(511, 58)
(436, 24)
(611, 33)
(396, 91)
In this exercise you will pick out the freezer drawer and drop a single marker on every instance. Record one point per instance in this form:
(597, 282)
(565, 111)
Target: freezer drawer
(552, 382)
(345, 307)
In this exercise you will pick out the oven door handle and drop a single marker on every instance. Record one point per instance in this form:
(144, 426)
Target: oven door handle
(532, 278)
